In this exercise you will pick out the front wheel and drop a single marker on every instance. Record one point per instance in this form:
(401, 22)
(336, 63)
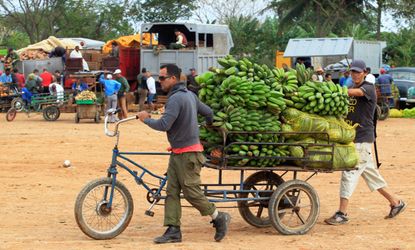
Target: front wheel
(17, 103)
(294, 207)
(93, 215)
(383, 111)
(11, 114)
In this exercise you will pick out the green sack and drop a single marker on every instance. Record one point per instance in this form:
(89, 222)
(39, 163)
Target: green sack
(303, 122)
(344, 156)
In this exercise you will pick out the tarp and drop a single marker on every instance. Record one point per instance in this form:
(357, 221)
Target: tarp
(310, 47)
(87, 43)
(49, 44)
(129, 41)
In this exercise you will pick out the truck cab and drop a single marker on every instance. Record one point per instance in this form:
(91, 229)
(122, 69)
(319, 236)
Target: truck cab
(206, 44)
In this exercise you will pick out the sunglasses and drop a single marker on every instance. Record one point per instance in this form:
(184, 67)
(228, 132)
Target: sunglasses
(162, 78)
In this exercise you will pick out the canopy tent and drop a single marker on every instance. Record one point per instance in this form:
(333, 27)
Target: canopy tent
(314, 47)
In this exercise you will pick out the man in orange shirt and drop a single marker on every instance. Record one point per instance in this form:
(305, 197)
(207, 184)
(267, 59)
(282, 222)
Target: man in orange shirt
(47, 79)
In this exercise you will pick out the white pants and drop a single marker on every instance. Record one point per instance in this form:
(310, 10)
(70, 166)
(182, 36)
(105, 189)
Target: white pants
(365, 168)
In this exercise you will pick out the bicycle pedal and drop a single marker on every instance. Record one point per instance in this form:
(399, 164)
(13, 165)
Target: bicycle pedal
(149, 213)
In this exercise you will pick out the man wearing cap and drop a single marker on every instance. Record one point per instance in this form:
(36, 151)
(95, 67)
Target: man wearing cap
(361, 111)
(385, 82)
(122, 98)
(186, 160)
(111, 90)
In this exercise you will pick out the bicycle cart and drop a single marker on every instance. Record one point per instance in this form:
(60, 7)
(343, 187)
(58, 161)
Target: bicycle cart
(104, 207)
(10, 97)
(46, 104)
(385, 100)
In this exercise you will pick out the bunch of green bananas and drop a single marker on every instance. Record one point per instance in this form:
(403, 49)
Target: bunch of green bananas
(248, 151)
(303, 75)
(286, 79)
(322, 98)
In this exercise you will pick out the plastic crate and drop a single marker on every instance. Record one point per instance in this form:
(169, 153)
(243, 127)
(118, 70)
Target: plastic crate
(85, 102)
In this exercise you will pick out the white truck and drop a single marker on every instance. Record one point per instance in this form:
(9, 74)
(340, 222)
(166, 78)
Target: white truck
(206, 44)
(336, 54)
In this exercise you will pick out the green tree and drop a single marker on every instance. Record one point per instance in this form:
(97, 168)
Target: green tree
(162, 11)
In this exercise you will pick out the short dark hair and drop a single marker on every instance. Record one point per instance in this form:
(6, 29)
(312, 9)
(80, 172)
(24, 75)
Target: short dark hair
(172, 70)
(328, 74)
(368, 69)
(176, 30)
(114, 43)
(15, 70)
(35, 70)
(143, 70)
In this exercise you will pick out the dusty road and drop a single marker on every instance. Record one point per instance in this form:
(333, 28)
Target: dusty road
(38, 194)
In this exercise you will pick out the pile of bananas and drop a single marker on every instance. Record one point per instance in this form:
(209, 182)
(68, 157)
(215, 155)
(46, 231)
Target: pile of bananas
(86, 95)
(322, 98)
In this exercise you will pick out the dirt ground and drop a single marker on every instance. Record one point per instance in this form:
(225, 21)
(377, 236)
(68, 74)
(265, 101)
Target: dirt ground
(38, 194)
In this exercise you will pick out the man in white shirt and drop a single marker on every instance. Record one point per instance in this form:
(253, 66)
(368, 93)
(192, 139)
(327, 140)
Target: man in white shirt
(76, 53)
(56, 89)
(370, 78)
(151, 85)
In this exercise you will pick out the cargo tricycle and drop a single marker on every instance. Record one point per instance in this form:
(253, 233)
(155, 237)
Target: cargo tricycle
(104, 207)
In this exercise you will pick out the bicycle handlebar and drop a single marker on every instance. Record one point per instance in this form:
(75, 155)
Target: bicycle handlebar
(113, 112)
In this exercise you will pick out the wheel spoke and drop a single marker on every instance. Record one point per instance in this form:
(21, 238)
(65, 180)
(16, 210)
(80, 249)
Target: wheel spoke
(300, 217)
(259, 213)
(298, 197)
(289, 200)
(284, 211)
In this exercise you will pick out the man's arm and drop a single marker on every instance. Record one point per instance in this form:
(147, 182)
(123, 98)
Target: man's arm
(205, 110)
(169, 117)
(126, 85)
(355, 92)
(179, 39)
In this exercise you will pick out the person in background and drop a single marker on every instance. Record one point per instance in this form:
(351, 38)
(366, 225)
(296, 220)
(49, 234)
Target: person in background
(186, 159)
(191, 82)
(385, 81)
(346, 79)
(47, 79)
(32, 85)
(319, 74)
(111, 90)
(362, 111)
(151, 85)
(18, 78)
(11, 59)
(327, 77)
(122, 98)
(76, 53)
(142, 80)
(39, 80)
(58, 52)
(56, 89)
(58, 76)
(370, 78)
(78, 86)
(115, 50)
(181, 40)
(6, 77)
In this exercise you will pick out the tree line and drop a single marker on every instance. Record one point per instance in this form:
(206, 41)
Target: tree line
(259, 28)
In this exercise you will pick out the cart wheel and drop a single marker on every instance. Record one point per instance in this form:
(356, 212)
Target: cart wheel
(93, 216)
(97, 118)
(76, 118)
(253, 211)
(383, 111)
(11, 114)
(51, 113)
(298, 202)
(17, 103)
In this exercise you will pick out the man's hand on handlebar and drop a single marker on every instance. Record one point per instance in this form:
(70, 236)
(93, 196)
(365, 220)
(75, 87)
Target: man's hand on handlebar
(143, 115)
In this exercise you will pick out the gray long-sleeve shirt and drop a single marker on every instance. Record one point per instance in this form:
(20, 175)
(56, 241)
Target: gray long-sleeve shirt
(180, 117)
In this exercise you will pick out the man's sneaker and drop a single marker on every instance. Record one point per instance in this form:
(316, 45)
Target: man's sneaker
(172, 234)
(395, 210)
(338, 218)
(221, 224)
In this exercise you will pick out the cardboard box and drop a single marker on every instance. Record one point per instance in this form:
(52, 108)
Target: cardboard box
(96, 57)
(94, 65)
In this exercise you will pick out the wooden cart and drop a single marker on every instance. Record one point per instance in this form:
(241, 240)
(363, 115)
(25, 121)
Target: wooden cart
(87, 109)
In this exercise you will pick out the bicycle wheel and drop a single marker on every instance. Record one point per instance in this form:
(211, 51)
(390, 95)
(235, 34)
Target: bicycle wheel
(254, 212)
(11, 114)
(93, 216)
(298, 202)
